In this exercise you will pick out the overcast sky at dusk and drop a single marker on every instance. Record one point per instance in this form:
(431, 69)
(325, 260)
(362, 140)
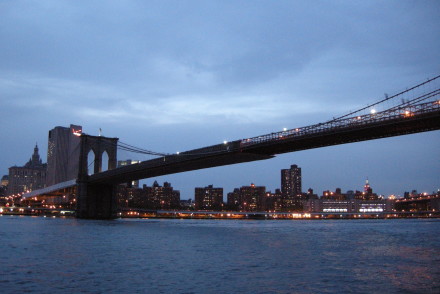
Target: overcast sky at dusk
(176, 75)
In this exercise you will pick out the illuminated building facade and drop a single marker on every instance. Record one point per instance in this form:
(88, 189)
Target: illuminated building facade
(208, 198)
(291, 182)
(163, 197)
(367, 194)
(63, 153)
(291, 188)
(154, 197)
(3, 189)
(252, 198)
(348, 206)
(31, 176)
(5, 181)
(274, 201)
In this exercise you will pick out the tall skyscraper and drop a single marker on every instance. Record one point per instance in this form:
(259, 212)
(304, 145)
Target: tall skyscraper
(291, 182)
(63, 154)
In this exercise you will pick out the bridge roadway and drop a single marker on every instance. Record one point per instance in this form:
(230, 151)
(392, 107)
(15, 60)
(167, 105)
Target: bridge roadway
(394, 122)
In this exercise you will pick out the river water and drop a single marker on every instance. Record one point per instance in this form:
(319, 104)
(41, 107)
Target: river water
(56, 255)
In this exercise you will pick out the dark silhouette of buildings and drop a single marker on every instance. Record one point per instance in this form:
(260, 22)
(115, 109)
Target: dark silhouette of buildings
(234, 200)
(4, 189)
(31, 176)
(154, 197)
(274, 201)
(367, 194)
(248, 198)
(208, 198)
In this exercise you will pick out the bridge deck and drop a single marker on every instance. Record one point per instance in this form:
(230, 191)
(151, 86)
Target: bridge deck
(399, 121)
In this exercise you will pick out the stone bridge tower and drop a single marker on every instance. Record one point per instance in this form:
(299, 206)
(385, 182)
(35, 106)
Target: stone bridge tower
(96, 200)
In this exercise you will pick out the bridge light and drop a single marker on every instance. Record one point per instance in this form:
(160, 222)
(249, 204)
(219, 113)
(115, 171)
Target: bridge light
(284, 129)
(373, 111)
(177, 152)
(225, 142)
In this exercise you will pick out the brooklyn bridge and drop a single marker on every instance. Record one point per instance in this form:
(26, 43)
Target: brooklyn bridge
(414, 110)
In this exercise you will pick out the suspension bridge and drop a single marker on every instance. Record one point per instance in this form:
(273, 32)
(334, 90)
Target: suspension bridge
(413, 110)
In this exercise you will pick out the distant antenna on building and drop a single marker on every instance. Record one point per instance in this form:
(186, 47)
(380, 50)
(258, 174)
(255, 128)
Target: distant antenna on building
(100, 132)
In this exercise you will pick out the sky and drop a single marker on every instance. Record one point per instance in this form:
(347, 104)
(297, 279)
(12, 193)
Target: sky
(172, 76)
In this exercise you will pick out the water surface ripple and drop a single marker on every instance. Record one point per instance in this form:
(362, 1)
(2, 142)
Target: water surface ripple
(42, 255)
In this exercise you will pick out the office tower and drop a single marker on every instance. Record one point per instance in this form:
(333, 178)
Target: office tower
(63, 154)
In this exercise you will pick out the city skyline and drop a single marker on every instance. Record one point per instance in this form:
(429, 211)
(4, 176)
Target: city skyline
(182, 77)
(290, 181)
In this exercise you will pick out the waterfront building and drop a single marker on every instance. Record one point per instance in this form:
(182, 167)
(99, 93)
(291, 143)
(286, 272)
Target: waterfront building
(133, 184)
(274, 201)
(348, 206)
(154, 197)
(336, 195)
(4, 189)
(208, 198)
(252, 198)
(31, 176)
(291, 182)
(234, 200)
(63, 154)
(162, 197)
(291, 188)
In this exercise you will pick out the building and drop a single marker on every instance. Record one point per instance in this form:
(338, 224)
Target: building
(134, 184)
(208, 198)
(367, 194)
(154, 197)
(274, 201)
(162, 197)
(291, 188)
(31, 176)
(5, 181)
(336, 195)
(252, 198)
(234, 200)
(63, 154)
(4, 189)
(330, 206)
(291, 183)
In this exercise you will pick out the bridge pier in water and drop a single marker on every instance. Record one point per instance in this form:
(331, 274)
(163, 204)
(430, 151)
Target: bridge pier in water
(96, 200)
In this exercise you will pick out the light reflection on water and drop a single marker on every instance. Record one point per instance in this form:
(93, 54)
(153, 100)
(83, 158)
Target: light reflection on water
(39, 255)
